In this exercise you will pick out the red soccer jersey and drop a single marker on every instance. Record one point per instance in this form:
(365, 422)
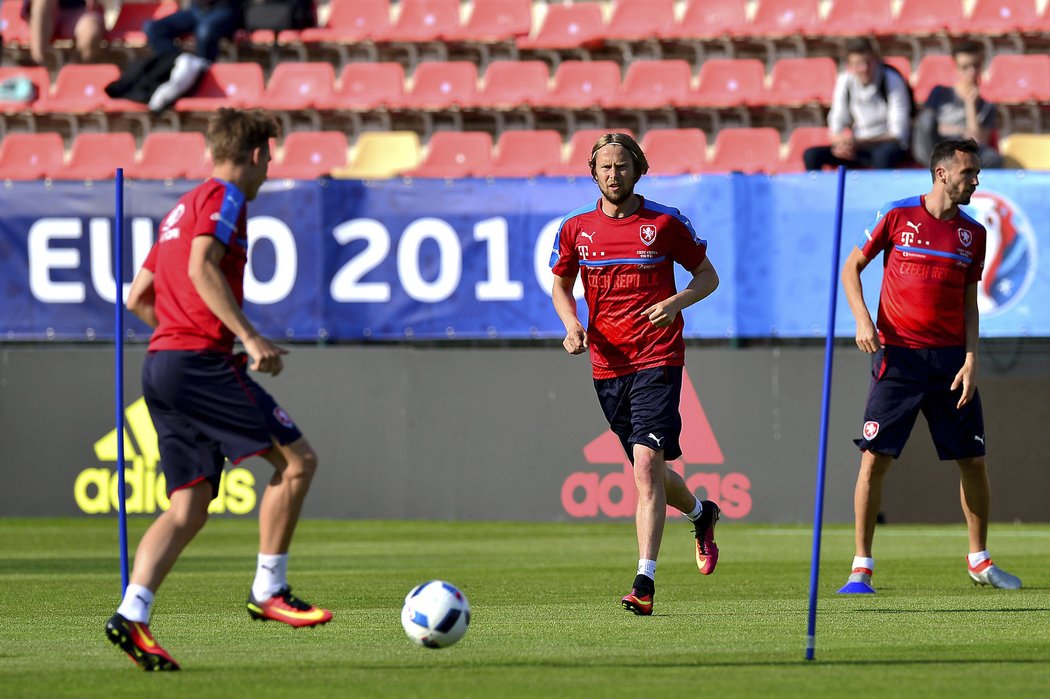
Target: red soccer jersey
(628, 265)
(185, 322)
(928, 263)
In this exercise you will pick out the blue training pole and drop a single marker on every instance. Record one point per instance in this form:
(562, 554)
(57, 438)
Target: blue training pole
(118, 314)
(822, 459)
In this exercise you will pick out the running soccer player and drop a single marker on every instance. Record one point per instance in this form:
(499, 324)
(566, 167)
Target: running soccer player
(204, 405)
(626, 247)
(925, 349)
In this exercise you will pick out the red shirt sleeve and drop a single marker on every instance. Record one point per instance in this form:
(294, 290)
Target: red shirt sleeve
(976, 271)
(878, 237)
(687, 249)
(150, 262)
(564, 260)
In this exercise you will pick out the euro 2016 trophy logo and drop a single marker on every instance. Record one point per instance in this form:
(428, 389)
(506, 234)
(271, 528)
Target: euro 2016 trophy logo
(1010, 257)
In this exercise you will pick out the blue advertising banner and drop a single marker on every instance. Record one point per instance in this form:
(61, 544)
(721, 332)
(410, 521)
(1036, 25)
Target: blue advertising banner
(430, 259)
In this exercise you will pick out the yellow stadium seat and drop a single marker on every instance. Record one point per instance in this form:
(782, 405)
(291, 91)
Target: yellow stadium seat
(381, 155)
(1027, 151)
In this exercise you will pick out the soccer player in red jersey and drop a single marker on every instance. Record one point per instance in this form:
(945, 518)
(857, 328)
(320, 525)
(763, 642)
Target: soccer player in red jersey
(925, 348)
(625, 247)
(204, 405)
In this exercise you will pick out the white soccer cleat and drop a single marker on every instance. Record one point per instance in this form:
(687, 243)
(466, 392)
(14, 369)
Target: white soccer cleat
(987, 573)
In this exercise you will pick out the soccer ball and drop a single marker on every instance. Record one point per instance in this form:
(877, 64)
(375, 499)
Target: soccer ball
(436, 614)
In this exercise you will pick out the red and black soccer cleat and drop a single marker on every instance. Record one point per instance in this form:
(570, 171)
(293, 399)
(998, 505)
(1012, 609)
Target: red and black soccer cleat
(134, 638)
(706, 548)
(287, 608)
(638, 603)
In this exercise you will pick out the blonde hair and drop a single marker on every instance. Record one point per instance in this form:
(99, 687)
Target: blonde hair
(641, 165)
(234, 133)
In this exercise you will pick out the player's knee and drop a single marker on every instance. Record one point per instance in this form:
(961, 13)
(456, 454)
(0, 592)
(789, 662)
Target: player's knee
(974, 465)
(302, 464)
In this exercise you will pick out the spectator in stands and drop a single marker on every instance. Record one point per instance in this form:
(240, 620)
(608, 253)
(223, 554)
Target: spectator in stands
(875, 100)
(208, 20)
(80, 19)
(958, 112)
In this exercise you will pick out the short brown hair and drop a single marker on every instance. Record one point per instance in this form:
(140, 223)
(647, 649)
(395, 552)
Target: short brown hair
(860, 44)
(967, 46)
(641, 165)
(234, 133)
(944, 152)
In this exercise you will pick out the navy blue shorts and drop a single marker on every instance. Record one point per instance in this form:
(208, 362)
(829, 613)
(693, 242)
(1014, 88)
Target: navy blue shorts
(905, 381)
(642, 408)
(206, 409)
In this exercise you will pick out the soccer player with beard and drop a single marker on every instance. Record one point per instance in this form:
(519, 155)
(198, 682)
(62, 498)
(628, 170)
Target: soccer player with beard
(626, 246)
(925, 348)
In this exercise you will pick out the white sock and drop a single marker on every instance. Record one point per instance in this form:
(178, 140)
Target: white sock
(861, 562)
(647, 568)
(697, 511)
(271, 574)
(137, 604)
(978, 557)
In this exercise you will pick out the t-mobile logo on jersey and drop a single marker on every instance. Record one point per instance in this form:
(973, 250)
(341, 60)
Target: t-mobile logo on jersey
(588, 494)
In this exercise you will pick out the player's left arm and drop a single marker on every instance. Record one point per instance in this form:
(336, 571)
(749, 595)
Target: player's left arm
(141, 298)
(702, 285)
(967, 376)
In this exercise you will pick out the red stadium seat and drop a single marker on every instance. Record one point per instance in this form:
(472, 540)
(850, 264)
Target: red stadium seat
(308, 155)
(568, 27)
(728, 82)
(1003, 17)
(582, 84)
(652, 85)
(580, 145)
(225, 85)
(857, 18)
(424, 20)
(366, 86)
(39, 77)
(78, 89)
(710, 19)
(1014, 79)
(510, 84)
(795, 81)
(127, 27)
(933, 70)
(438, 85)
(496, 20)
(30, 156)
(524, 154)
(800, 139)
(928, 16)
(675, 151)
(351, 21)
(785, 18)
(633, 20)
(745, 150)
(297, 86)
(13, 29)
(97, 156)
(171, 155)
(901, 63)
(455, 154)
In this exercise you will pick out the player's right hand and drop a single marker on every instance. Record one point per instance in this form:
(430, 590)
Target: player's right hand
(575, 341)
(868, 338)
(266, 356)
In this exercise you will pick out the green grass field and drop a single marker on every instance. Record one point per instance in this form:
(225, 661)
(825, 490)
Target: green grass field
(546, 621)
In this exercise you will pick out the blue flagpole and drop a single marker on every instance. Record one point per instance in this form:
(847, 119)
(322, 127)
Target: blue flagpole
(118, 314)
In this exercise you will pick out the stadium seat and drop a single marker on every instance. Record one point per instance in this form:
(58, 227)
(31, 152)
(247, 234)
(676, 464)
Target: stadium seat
(366, 86)
(510, 84)
(636, 20)
(39, 77)
(30, 156)
(928, 16)
(379, 155)
(933, 70)
(13, 29)
(297, 86)
(171, 155)
(711, 19)
(993, 17)
(745, 150)
(438, 85)
(801, 138)
(351, 21)
(424, 20)
(675, 151)
(1013, 79)
(857, 18)
(796, 81)
(579, 153)
(492, 21)
(1027, 151)
(568, 27)
(225, 85)
(127, 27)
(728, 82)
(96, 156)
(582, 84)
(652, 85)
(455, 154)
(307, 155)
(78, 89)
(776, 18)
(521, 153)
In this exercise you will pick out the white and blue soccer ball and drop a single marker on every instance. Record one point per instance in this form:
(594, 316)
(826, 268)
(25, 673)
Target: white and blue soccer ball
(436, 614)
